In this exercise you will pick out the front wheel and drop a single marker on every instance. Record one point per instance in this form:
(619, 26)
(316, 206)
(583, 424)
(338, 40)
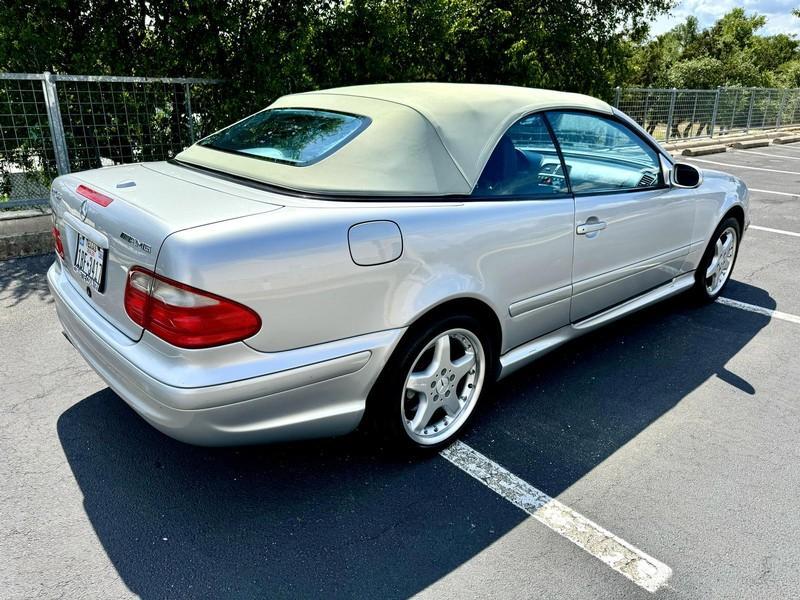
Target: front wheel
(431, 386)
(717, 263)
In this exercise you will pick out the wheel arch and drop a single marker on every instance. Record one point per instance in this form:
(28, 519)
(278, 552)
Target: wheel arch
(464, 305)
(377, 410)
(737, 212)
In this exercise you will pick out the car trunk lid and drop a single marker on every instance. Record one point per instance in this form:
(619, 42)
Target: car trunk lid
(147, 204)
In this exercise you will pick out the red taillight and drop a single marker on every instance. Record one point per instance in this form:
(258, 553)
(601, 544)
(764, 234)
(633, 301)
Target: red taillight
(57, 242)
(185, 316)
(89, 193)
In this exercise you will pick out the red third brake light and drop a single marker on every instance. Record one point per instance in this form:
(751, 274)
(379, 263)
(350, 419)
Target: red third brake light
(185, 316)
(97, 197)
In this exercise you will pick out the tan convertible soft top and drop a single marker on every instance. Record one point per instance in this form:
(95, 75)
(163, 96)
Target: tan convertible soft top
(425, 139)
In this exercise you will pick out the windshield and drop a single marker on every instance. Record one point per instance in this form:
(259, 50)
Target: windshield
(599, 138)
(294, 136)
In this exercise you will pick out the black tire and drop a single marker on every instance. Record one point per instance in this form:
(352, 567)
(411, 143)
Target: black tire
(700, 290)
(385, 417)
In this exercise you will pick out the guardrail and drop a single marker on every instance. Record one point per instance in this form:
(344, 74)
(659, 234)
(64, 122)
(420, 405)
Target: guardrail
(55, 124)
(677, 114)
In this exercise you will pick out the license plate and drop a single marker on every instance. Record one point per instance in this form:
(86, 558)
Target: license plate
(90, 262)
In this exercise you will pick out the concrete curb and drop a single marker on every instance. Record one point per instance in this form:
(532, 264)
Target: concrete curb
(730, 139)
(24, 221)
(787, 140)
(703, 150)
(25, 244)
(714, 141)
(25, 233)
(750, 144)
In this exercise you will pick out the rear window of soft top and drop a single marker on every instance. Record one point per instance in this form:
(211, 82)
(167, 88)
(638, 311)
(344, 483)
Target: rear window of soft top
(293, 136)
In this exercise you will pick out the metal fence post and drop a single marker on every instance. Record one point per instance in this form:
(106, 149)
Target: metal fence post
(617, 95)
(670, 114)
(796, 105)
(92, 121)
(56, 125)
(189, 117)
(714, 113)
(750, 110)
(766, 109)
(781, 106)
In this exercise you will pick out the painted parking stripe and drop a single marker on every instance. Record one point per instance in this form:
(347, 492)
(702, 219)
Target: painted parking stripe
(794, 147)
(766, 154)
(773, 192)
(775, 314)
(714, 162)
(771, 230)
(642, 569)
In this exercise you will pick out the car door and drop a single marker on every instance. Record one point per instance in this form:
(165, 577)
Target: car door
(632, 230)
(526, 215)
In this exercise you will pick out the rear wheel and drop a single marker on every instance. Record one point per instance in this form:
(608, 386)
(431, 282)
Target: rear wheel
(429, 389)
(716, 266)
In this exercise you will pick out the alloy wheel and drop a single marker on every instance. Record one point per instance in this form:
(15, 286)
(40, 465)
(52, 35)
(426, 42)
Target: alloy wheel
(719, 269)
(443, 386)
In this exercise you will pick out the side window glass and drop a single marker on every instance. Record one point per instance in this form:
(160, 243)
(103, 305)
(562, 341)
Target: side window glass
(524, 163)
(603, 155)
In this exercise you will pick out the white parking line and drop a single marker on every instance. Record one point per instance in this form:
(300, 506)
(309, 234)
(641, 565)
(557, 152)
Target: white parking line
(714, 162)
(771, 230)
(766, 154)
(775, 314)
(771, 192)
(791, 147)
(640, 568)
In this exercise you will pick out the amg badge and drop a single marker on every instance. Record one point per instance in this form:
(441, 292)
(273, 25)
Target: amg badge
(136, 243)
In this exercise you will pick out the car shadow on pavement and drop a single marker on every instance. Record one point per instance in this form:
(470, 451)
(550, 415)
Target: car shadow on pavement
(553, 423)
(338, 518)
(21, 278)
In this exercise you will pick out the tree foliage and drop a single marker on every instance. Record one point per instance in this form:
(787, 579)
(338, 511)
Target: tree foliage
(731, 53)
(265, 48)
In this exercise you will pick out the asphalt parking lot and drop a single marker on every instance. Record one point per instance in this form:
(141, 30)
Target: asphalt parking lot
(676, 430)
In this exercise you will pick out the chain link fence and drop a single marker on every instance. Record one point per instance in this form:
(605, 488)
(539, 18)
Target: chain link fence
(56, 124)
(671, 115)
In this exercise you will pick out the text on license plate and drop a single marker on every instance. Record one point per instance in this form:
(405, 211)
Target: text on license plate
(89, 262)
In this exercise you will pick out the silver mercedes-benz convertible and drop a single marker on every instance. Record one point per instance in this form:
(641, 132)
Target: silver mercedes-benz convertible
(377, 253)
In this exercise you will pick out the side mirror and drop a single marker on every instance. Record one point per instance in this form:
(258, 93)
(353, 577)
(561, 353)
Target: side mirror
(686, 176)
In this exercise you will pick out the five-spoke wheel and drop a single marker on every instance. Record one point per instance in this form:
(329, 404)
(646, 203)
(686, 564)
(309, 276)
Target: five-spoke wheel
(719, 270)
(442, 385)
(432, 383)
(717, 263)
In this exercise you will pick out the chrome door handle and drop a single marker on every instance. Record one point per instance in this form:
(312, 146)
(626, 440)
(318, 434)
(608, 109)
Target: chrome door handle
(590, 226)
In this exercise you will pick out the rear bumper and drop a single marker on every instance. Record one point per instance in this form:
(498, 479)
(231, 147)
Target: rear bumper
(230, 395)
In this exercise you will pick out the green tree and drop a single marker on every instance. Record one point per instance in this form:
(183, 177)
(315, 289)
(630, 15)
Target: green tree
(264, 48)
(731, 52)
(788, 74)
(696, 73)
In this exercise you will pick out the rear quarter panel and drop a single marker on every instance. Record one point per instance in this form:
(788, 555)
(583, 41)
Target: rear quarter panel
(293, 266)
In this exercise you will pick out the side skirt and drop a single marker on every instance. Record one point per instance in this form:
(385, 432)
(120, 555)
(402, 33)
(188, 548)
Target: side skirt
(522, 355)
